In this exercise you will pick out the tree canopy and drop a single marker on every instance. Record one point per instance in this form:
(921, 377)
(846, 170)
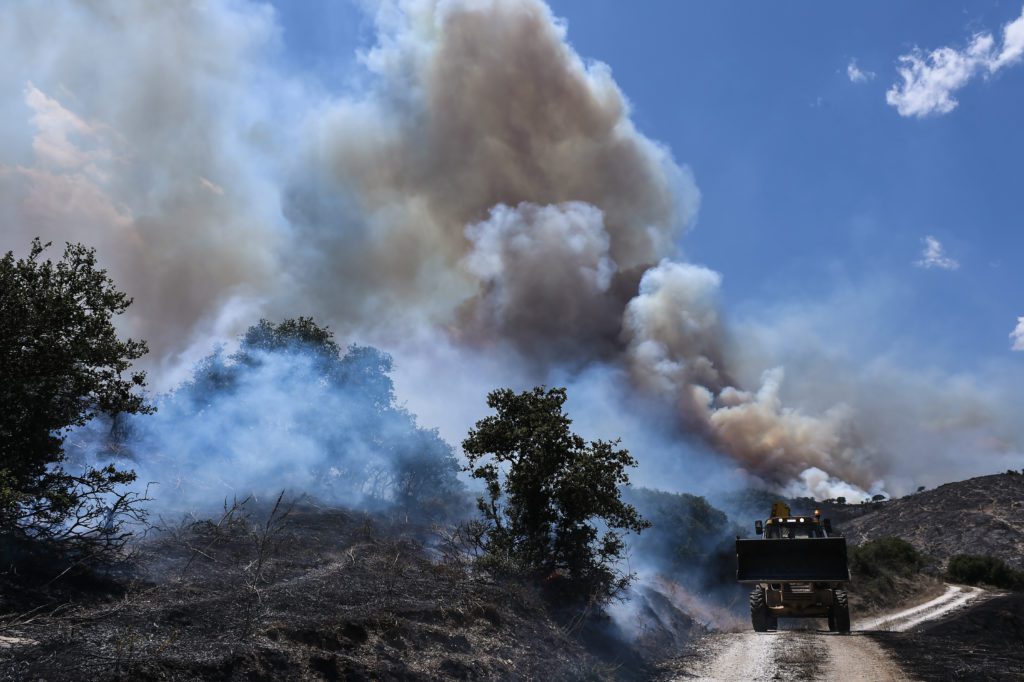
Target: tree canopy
(62, 363)
(552, 506)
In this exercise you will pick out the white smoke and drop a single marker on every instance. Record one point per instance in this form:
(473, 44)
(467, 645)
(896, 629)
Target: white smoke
(545, 277)
(291, 418)
(821, 486)
(148, 131)
(485, 188)
(673, 333)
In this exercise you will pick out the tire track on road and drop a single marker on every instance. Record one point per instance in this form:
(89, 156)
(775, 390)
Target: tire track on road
(955, 596)
(797, 655)
(819, 654)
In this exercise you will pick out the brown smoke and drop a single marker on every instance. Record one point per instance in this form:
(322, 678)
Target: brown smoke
(488, 182)
(676, 348)
(482, 114)
(492, 165)
(137, 144)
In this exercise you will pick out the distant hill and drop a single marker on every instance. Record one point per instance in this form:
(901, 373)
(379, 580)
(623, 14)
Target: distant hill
(983, 515)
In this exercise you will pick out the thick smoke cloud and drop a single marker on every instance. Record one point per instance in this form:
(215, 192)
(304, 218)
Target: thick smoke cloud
(676, 347)
(484, 188)
(481, 110)
(533, 187)
(139, 130)
(547, 283)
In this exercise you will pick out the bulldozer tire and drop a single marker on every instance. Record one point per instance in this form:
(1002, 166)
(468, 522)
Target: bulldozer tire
(841, 612)
(831, 619)
(759, 616)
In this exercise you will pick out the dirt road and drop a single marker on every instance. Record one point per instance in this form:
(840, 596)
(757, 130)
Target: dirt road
(815, 653)
(955, 597)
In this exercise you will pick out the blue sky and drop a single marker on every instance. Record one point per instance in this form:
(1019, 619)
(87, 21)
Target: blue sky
(813, 187)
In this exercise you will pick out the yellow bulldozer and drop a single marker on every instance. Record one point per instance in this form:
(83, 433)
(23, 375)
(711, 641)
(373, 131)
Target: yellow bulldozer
(798, 567)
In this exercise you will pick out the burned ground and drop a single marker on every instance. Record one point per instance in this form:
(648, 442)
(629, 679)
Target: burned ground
(983, 515)
(326, 593)
(314, 594)
(985, 642)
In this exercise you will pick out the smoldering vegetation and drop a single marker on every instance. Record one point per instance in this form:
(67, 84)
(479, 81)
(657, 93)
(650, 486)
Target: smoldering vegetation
(296, 591)
(303, 525)
(284, 588)
(306, 527)
(690, 542)
(288, 409)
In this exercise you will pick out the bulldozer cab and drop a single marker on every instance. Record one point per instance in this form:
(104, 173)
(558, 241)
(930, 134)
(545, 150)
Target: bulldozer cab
(801, 527)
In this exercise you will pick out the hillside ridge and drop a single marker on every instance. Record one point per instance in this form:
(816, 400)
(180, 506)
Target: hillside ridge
(982, 515)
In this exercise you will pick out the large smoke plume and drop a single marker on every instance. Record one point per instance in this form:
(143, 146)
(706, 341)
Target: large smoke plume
(484, 187)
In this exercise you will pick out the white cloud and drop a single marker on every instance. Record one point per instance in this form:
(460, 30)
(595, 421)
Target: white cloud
(1017, 335)
(933, 256)
(929, 80)
(856, 74)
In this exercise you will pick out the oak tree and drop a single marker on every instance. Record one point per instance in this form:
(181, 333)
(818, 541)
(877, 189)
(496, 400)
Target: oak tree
(552, 505)
(61, 364)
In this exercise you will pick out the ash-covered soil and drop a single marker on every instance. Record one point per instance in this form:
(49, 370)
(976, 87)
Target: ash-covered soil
(983, 515)
(321, 594)
(984, 642)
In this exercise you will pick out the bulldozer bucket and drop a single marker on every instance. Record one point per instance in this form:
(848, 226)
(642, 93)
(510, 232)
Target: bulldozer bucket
(792, 560)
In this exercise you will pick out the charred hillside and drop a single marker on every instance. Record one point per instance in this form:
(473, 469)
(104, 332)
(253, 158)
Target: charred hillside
(985, 642)
(314, 593)
(983, 515)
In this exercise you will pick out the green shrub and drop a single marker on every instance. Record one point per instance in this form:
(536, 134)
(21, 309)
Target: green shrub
(973, 569)
(886, 556)
(886, 571)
